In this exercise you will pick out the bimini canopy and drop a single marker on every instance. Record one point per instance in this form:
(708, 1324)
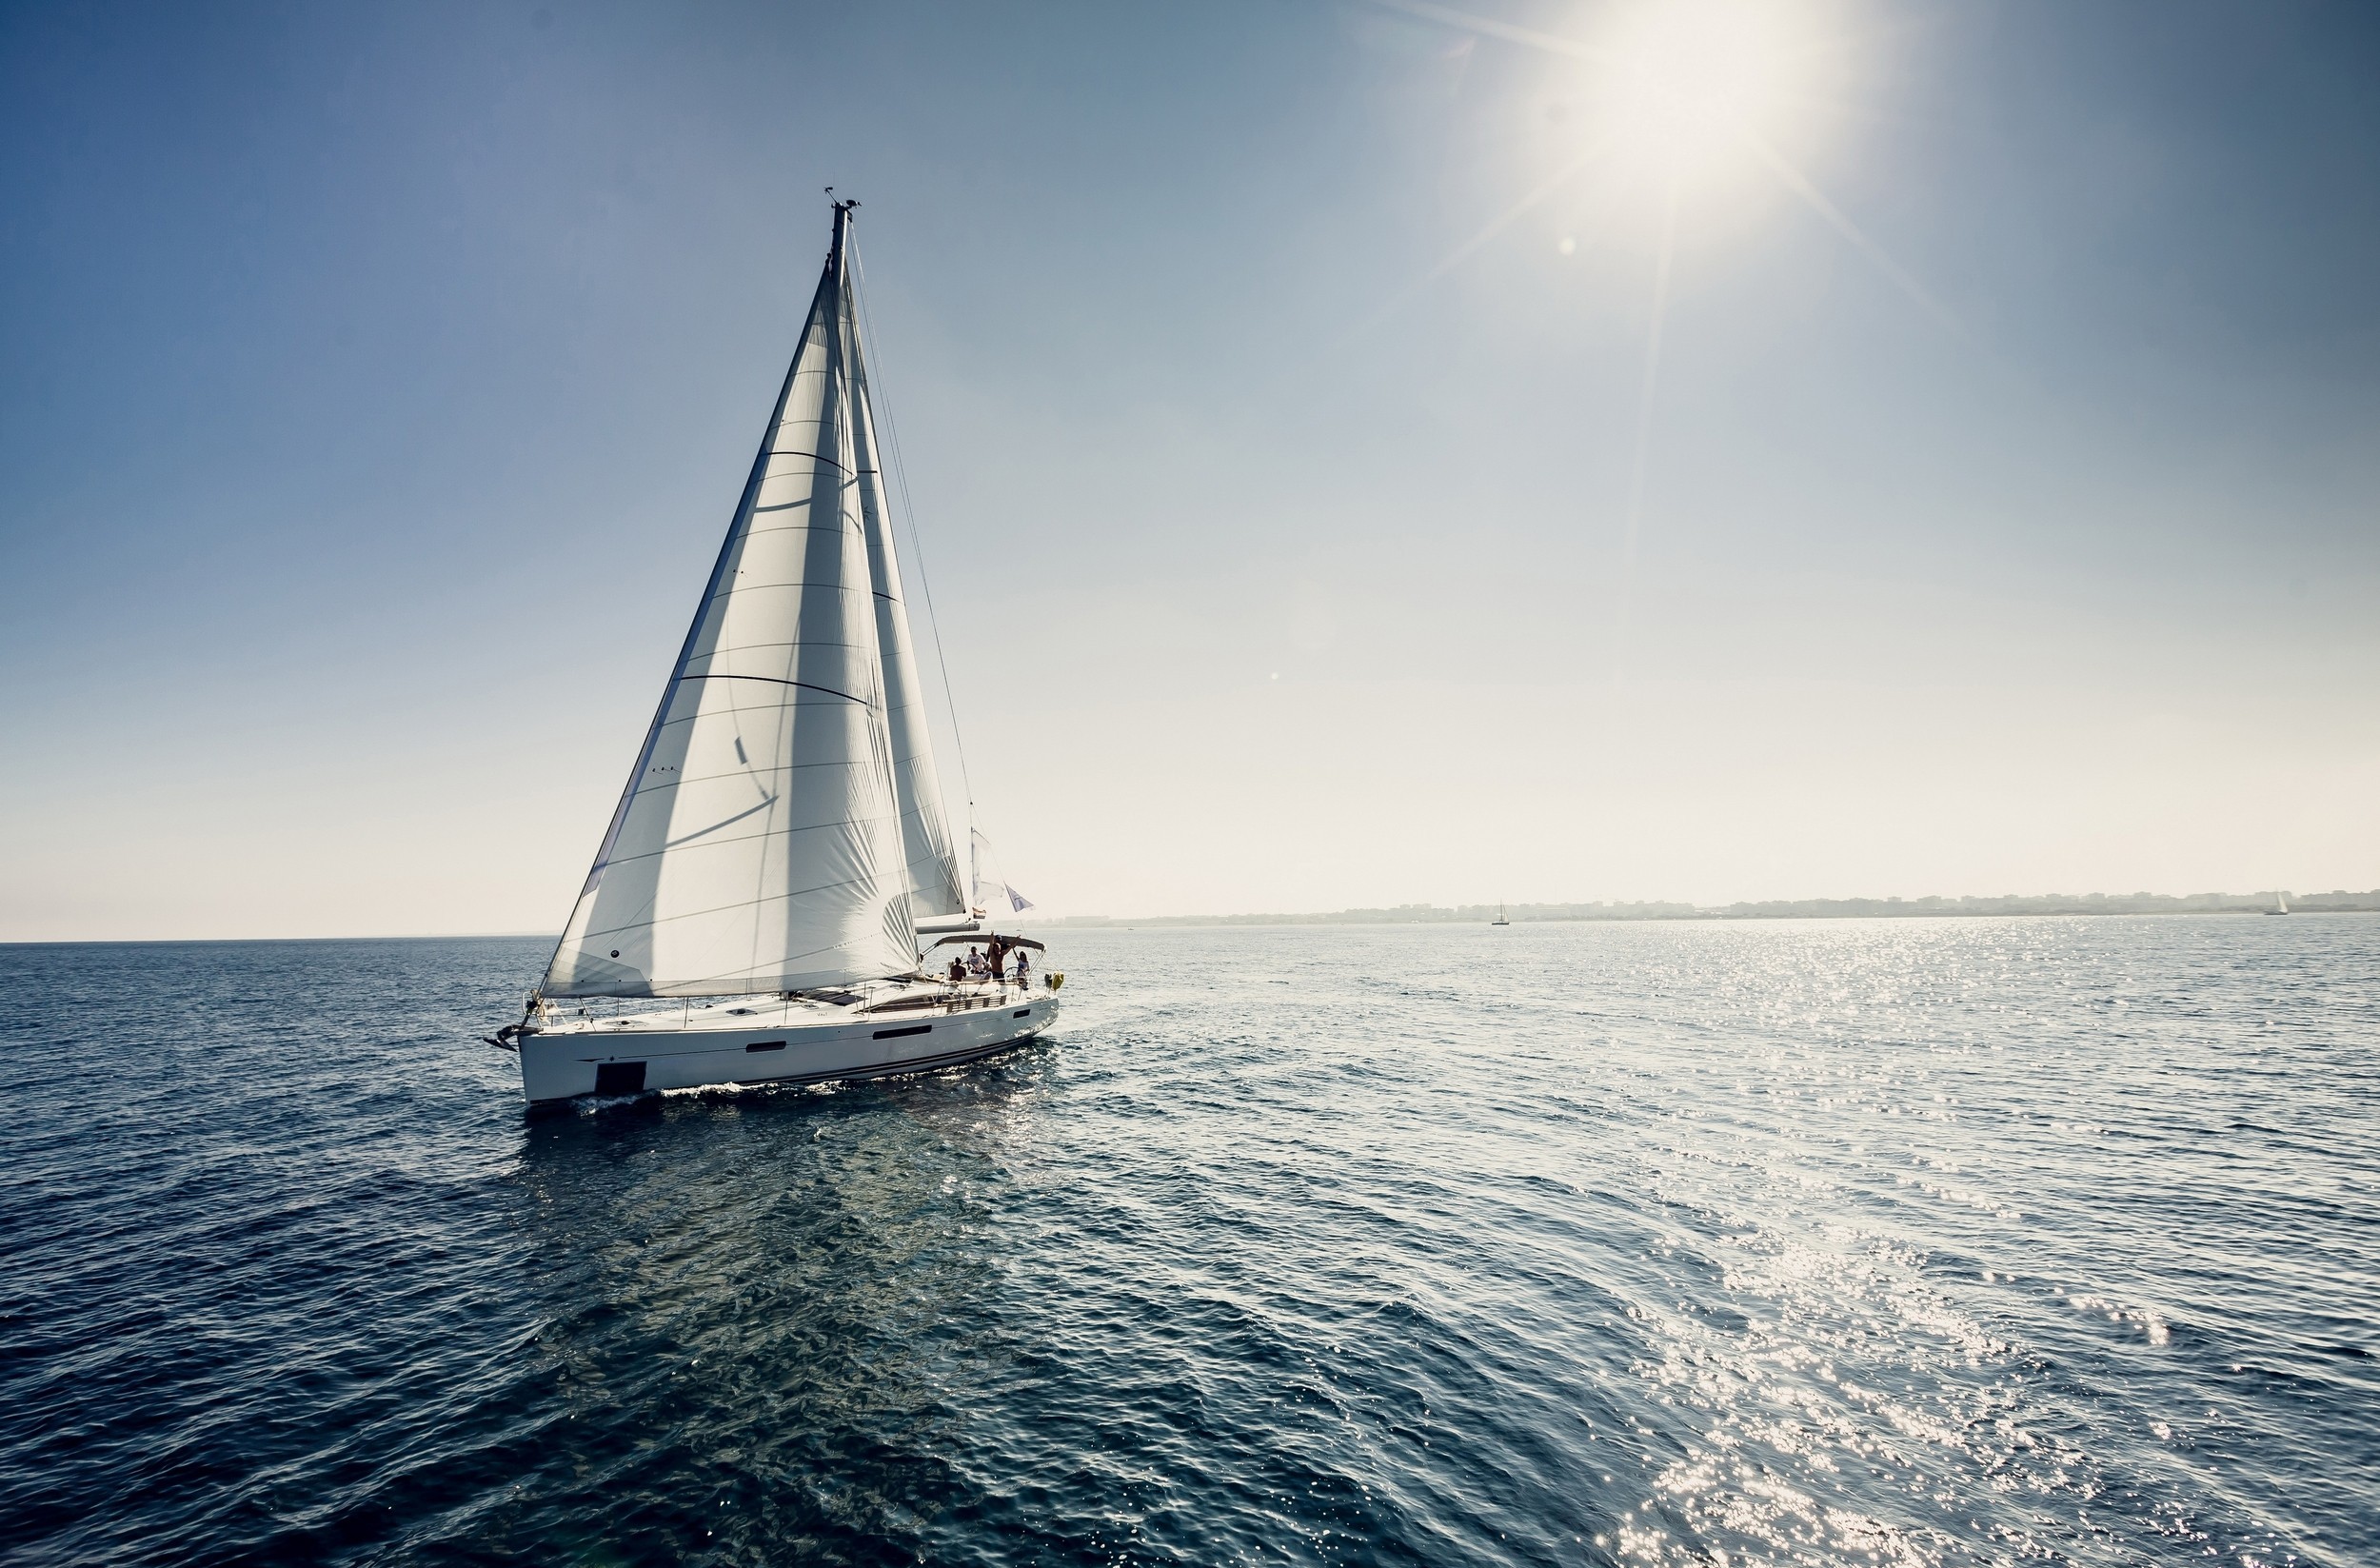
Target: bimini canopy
(1004, 941)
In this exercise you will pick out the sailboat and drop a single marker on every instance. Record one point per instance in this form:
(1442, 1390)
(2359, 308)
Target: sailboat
(771, 898)
(1499, 919)
(2281, 904)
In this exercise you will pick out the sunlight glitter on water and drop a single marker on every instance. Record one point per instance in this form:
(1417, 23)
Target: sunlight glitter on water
(1906, 1242)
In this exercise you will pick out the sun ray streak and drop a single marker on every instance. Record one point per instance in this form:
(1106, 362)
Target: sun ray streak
(1764, 152)
(1800, 184)
(1465, 21)
(1471, 247)
(1642, 458)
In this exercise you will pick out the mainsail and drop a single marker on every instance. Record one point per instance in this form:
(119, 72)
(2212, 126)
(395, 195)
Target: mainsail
(933, 867)
(757, 845)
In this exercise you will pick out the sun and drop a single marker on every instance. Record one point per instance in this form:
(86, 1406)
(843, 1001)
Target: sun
(1687, 91)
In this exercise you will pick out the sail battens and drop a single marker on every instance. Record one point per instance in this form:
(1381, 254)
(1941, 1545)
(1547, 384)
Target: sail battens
(704, 914)
(741, 838)
(780, 584)
(688, 780)
(803, 686)
(706, 832)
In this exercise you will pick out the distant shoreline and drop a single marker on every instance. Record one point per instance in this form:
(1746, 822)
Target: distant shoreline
(2047, 904)
(1480, 914)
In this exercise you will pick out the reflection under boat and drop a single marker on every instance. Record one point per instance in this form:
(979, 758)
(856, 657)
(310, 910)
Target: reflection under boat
(793, 1291)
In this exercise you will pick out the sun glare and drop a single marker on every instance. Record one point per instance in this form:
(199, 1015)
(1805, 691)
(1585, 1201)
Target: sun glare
(1688, 88)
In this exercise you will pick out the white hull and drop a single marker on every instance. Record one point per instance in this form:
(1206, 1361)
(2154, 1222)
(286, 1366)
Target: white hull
(769, 1040)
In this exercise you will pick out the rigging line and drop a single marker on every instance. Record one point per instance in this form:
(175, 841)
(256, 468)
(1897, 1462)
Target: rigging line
(917, 547)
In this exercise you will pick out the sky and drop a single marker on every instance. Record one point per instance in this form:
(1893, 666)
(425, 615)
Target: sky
(1362, 454)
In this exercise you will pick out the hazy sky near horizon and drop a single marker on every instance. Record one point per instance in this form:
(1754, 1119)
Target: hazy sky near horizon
(1362, 456)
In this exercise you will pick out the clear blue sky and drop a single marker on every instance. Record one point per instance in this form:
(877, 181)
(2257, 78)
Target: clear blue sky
(376, 381)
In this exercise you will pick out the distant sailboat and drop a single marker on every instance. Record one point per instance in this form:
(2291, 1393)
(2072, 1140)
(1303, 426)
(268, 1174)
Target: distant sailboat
(2281, 904)
(780, 843)
(1499, 919)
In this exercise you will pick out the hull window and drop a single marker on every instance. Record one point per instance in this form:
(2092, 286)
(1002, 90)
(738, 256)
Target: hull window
(766, 1045)
(912, 1029)
(1021, 1012)
(620, 1078)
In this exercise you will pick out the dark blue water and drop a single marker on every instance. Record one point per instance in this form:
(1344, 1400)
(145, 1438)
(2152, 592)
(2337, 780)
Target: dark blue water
(1895, 1242)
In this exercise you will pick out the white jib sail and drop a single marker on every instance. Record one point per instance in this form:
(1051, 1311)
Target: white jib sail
(933, 865)
(757, 846)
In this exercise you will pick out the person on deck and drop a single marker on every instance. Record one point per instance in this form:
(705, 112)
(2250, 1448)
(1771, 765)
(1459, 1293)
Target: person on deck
(957, 970)
(1021, 966)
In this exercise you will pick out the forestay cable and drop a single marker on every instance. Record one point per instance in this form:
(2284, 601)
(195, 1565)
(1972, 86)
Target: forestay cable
(910, 515)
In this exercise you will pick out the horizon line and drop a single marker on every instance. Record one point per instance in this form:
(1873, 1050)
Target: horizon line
(1541, 912)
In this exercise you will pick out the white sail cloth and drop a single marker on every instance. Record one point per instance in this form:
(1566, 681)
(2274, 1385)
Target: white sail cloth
(757, 845)
(991, 888)
(933, 867)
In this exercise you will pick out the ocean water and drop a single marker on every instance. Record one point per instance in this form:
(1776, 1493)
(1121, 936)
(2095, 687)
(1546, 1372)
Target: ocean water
(1920, 1242)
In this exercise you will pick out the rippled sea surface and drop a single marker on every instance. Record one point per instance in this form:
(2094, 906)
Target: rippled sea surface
(1916, 1241)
